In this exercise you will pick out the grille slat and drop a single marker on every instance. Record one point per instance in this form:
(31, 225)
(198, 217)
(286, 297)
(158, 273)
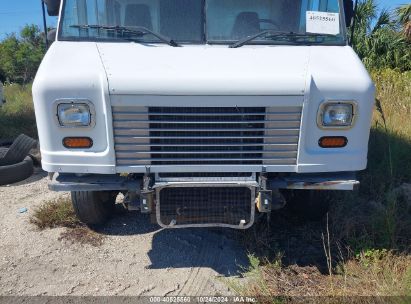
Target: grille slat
(128, 139)
(137, 147)
(131, 113)
(206, 161)
(282, 122)
(216, 161)
(131, 154)
(128, 131)
(192, 123)
(206, 136)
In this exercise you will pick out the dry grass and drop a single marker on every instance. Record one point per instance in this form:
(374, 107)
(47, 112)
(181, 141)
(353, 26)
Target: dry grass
(368, 278)
(60, 213)
(372, 274)
(57, 213)
(370, 231)
(375, 273)
(82, 235)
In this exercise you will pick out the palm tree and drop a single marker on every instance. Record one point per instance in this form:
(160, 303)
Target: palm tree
(377, 39)
(404, 18)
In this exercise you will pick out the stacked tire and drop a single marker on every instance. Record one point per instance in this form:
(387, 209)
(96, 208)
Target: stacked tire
(13, 173)
(15, 164)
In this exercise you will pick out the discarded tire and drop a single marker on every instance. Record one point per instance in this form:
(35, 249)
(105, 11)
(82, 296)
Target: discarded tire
(10, 174)
(18, 150)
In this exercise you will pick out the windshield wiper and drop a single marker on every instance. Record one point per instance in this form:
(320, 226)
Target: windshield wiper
(135, 30)
(274, 34)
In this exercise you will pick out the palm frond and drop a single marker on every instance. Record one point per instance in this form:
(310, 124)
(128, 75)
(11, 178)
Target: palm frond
(384, 19)
(379, 39)
(404, 14)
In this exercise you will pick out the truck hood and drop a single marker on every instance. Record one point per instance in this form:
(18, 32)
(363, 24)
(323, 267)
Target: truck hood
(137, 69)
(204, 70)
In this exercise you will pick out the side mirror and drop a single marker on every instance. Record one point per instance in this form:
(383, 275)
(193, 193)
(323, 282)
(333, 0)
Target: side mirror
(53, 7)
(349, 11)
(51, 36)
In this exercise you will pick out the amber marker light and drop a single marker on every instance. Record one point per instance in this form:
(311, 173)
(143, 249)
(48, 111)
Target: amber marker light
(333, 142)
(77, 142)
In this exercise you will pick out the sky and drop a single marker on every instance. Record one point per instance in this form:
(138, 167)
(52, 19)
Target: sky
(14, 14)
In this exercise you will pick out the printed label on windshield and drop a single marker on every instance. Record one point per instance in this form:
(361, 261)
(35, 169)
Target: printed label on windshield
(323, 23)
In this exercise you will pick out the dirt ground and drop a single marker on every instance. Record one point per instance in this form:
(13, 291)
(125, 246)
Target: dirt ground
(136, 258)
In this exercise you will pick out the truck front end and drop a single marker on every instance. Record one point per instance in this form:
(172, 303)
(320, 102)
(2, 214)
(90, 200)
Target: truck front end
(202, 112)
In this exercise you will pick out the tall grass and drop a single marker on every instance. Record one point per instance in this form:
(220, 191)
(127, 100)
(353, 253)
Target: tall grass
(17, 114)
(390, 142)
(381, 206)
(370, 230)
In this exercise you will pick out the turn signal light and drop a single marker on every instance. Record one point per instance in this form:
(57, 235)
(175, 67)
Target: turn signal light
(77, 142)
(333, 142)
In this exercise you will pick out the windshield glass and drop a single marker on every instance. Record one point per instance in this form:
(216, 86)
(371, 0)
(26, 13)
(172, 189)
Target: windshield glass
(203, 21)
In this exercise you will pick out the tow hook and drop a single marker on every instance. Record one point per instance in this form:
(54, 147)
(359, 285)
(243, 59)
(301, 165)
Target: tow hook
(264, 198)
(264, 201)
(146, 201)
(147, 194)
(268, 199)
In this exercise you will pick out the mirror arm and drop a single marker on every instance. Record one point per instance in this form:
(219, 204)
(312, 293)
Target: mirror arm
(43, 5)
(354, 23)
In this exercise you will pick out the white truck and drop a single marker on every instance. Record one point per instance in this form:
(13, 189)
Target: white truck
(201, 112)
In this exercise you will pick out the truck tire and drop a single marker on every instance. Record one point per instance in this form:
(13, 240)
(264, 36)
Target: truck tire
(10, 174)
(308, 204)
(93, 208)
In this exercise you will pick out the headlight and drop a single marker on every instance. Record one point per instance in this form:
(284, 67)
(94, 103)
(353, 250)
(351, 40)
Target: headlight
(74, 114)
(336, 114)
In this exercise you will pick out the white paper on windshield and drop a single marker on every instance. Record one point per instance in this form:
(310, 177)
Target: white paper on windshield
(323, 23)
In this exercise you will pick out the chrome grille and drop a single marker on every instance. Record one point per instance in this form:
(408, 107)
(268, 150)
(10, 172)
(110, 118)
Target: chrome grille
(206, 136)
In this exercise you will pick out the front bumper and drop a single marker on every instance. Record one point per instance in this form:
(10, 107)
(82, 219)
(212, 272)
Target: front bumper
(325, 181)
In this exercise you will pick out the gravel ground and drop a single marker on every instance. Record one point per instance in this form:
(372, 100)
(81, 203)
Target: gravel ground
(136, 258)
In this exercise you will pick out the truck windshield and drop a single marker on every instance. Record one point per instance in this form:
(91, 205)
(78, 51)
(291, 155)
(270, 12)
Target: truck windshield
(204, 21)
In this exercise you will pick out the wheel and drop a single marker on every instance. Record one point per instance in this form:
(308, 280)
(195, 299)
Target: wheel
(16, 172)
(93, 208)
(308, 204)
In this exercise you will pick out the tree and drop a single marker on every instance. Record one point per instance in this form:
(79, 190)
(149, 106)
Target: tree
(8, 61)
(20, 56)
